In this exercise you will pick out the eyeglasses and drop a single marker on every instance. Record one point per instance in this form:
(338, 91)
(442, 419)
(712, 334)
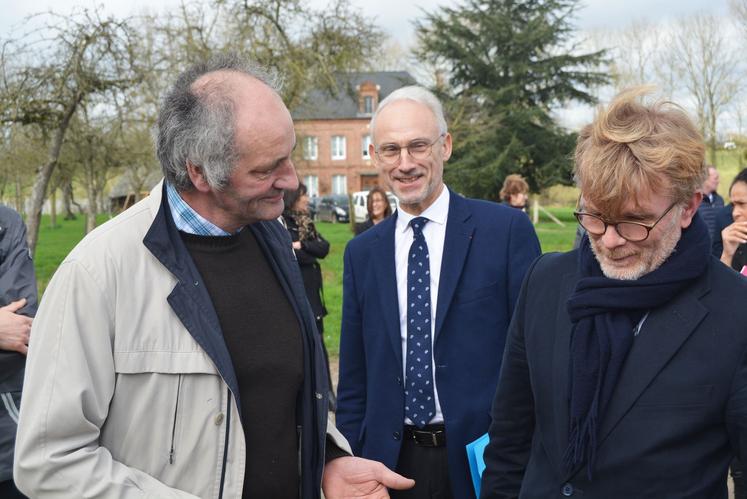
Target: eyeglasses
(631, 231)
(391, 154)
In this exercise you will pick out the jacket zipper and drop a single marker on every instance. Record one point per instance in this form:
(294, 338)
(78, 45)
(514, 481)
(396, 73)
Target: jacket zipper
(225, 446)
(176, 412)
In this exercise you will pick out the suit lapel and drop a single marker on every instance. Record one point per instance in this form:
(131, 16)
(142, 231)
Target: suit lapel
(459, 231)
(662, 334)
(561, 369)
(386, 276)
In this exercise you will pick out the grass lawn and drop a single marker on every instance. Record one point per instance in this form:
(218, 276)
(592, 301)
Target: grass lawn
(55, 243)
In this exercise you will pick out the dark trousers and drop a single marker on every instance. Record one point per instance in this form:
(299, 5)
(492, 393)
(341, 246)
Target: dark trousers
(8, 490)
(429, 468)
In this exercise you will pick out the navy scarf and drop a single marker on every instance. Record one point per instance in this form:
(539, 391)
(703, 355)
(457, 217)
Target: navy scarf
(602, 310)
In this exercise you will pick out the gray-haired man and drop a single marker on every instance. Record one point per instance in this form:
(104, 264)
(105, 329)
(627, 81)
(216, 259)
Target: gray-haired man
(175, 353)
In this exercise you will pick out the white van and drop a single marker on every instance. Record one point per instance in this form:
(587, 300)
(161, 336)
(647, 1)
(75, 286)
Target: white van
(360, 211)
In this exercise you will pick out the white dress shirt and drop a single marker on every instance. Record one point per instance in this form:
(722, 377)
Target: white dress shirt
(435, 235)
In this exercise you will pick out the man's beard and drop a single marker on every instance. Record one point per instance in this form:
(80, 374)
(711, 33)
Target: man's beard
(648, 258)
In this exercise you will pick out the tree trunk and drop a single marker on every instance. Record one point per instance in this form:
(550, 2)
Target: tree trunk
(18, 195)
(91, 205)
(43, 175)
(67, 200)
(53, 208)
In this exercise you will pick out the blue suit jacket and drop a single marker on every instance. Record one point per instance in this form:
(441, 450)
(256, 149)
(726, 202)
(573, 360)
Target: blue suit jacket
(487, 250)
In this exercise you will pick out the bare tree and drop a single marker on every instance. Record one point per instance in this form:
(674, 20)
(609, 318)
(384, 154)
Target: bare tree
(739, 13)
(308, 46)
(636, 49)
(700, 53)
(53, 72)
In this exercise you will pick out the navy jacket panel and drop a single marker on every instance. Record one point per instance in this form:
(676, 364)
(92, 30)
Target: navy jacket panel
(676, 418)
(487, 250)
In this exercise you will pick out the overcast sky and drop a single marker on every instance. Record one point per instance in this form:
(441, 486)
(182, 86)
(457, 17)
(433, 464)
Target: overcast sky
(396, 16)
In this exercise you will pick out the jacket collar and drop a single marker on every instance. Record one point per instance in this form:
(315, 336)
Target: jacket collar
(189, 299)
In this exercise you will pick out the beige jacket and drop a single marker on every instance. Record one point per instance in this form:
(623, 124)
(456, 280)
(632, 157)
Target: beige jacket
(111, 373)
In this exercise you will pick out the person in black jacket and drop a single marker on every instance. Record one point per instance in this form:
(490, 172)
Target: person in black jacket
(377, 205)
(18, 300)
(732, 225)
(712, 202)
(308, 246)
(625, 367)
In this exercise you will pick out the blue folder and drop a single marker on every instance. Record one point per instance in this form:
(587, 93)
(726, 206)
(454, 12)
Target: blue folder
(475, 452)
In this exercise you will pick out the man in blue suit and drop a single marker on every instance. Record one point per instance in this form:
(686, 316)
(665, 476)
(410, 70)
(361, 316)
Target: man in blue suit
(625, 368)
(428, 296)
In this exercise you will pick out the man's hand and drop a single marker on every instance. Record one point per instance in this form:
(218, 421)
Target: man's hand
(348, 476)
(14, 328)
(732, 236)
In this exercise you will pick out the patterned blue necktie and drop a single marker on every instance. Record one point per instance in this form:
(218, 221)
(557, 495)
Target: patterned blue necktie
(420, 405)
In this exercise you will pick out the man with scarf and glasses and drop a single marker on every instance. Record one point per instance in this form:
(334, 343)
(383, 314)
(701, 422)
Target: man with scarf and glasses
(624, 373)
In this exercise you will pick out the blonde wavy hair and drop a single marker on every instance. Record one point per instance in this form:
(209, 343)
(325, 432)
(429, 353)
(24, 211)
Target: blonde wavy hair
(631, 146)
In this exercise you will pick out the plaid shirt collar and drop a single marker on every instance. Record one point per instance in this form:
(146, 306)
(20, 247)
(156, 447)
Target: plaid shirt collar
(188, 220)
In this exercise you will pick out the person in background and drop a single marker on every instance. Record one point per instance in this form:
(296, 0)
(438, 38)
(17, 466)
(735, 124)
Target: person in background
(712, 202)
(378, 208)
(733, 236)
(18, 301)
(625, 368)
(309, 246)
(515, 192)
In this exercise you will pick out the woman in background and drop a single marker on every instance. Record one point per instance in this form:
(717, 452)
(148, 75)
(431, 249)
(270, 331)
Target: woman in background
(515, 192)
(309, 246)
(378, 209)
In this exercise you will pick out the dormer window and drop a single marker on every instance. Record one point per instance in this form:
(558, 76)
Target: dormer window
(368, 97)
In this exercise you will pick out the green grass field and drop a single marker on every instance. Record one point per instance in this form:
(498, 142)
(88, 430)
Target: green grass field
(55, 243)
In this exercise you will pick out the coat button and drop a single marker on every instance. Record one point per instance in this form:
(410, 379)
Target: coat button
(567, 490)
(318, 396)
(396, 435)
(219, 419)
(399, 381)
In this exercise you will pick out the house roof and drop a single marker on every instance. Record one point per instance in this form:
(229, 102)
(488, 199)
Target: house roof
(320, 105)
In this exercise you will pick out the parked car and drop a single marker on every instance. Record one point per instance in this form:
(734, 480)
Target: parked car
(730, 145)
(333, 208)
(360, 210)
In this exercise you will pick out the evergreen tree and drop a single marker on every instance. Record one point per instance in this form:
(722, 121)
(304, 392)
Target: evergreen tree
(509, 63)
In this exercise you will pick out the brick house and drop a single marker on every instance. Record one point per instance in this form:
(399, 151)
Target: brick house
(333, 132)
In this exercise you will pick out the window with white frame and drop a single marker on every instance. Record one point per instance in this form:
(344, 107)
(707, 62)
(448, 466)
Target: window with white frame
(338, 147)
(339, 184)
(368, 104)
(365, 142)
(310, 148)
(312, 185)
